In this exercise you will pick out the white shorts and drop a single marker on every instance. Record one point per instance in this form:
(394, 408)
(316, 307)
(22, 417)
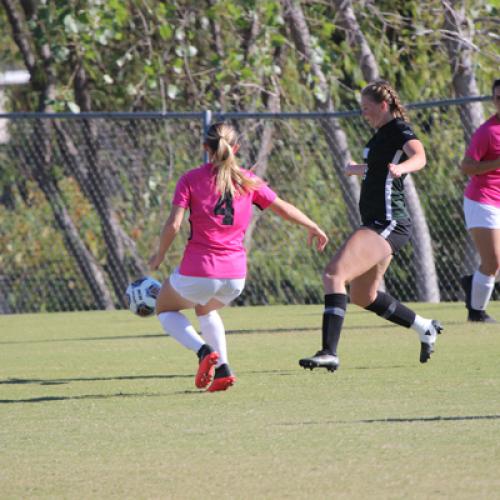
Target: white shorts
(481, 215)
(201, 290)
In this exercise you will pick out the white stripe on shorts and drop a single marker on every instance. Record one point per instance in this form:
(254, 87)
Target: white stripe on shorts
(389, 229)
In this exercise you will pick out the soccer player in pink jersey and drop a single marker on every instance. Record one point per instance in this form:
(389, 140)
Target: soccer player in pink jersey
(482, 211)
(219, 196)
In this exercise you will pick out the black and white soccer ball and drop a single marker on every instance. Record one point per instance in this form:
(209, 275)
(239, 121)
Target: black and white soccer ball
(141, 296)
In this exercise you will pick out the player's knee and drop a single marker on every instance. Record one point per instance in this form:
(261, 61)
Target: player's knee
(496, 266)
(332, 278)
(159, 309)
(332, 271)
(490, 267)
(362, 298)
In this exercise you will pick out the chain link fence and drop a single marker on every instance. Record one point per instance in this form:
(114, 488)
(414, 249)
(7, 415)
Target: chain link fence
(84, 198)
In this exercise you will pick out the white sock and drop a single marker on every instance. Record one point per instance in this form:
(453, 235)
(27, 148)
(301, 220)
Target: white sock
(482, 288)
(421, 325)
(212, 329)
(179, 327)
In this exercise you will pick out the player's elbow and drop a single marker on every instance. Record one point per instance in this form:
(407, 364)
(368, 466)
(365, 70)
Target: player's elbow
(175, 226)
(281, 208)
(467, 166)
(422, 160)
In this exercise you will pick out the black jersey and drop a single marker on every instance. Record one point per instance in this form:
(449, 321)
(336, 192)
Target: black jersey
(382, 196)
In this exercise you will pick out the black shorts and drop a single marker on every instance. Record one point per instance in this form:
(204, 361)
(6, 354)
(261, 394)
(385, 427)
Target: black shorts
(396, 232)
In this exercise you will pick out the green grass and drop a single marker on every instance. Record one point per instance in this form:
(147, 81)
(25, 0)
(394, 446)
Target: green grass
(101, 405)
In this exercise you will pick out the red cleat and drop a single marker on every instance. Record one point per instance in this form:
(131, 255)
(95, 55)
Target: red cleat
(222, 383)
(206, 370)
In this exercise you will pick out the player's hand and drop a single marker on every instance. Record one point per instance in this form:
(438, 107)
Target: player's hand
(395, 170)
(154, 261)
(355, 168)
(321, 238)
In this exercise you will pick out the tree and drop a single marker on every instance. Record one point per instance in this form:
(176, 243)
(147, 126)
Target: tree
(458, 35)
(335, 136)
(38, 59)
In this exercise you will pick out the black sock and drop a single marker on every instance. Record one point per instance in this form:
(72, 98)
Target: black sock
(203, 351)
(222, 371)
(333, 318)
(391, 309)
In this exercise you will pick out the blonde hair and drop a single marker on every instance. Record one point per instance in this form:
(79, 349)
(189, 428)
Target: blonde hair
(221, 139)
(380, 91)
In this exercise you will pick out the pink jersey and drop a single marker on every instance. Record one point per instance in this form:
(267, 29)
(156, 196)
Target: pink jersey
(215, 248)
(485, 145)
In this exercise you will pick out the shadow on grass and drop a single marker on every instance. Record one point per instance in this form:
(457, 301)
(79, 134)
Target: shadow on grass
(85, 339)
(45, 399)
(395, 420)
(61, 381)
(437, 418)
(88, 379)
(156, 335)
(249, 331)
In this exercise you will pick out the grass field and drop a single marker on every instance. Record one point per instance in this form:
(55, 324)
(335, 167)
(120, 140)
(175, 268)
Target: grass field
(102, 405)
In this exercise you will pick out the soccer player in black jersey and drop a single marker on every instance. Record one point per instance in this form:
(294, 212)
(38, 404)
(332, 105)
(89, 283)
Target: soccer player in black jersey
(392, 152)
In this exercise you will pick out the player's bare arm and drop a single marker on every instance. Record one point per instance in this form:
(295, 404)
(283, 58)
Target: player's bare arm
(415, 152)
(355, 168)
(169, 232)
(290, 212)
(475, 167)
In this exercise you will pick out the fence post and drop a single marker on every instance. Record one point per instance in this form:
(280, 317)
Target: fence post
(207, 118)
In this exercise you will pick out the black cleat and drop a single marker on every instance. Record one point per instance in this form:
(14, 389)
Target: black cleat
(425, 351)
(322, 359)
(474, 315)
(428, 340)
(478, 316)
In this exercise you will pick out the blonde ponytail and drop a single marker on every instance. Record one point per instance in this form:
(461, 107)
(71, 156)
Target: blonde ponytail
(221, 139)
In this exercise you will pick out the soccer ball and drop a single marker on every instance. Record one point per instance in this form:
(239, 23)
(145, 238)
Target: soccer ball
(141, 296)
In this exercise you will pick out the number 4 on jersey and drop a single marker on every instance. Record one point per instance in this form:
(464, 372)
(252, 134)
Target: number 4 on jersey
(225, 207)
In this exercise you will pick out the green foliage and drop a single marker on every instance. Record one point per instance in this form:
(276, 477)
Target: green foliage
(182, 55)
(229, 55)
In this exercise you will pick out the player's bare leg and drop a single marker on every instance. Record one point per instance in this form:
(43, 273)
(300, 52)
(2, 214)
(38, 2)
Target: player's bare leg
(168, 305)
(363, 250)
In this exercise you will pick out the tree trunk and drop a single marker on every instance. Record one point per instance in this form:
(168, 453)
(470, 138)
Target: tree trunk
(357, 40)
(89, 267)
(458, 34)
(426, 276)
(260, 167)
(334, 134)
(38, 61)
(96, 186)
